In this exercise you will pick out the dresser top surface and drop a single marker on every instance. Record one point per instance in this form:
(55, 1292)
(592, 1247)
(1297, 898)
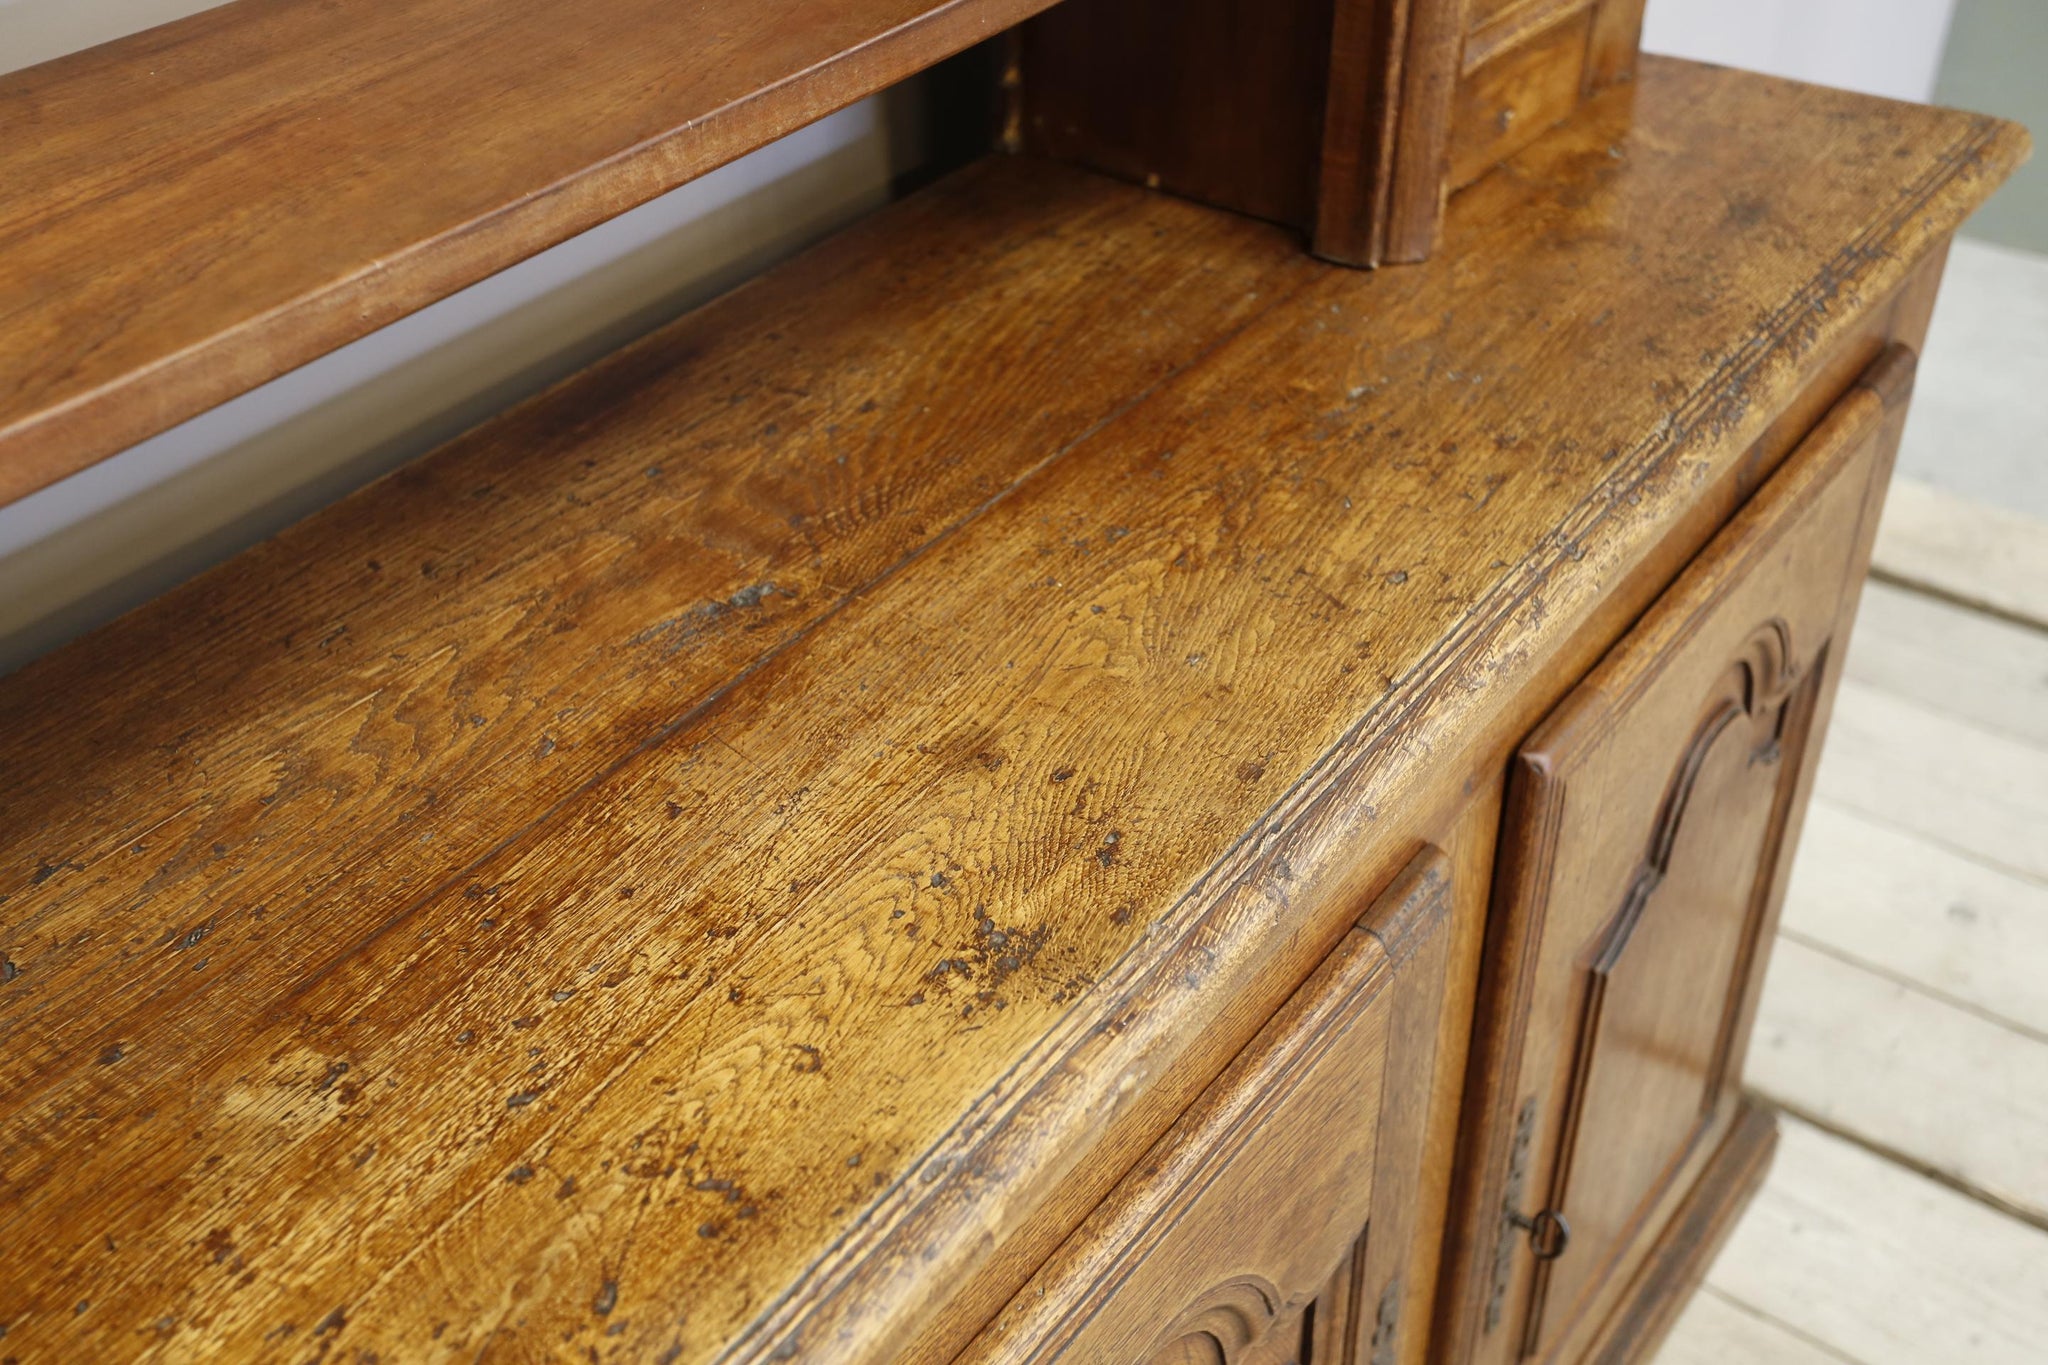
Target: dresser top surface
(702, 850)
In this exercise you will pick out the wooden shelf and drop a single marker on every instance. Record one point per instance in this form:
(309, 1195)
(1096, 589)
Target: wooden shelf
(606, 825)
(196, 209)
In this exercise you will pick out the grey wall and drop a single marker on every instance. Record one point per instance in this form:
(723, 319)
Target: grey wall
(1881, 47)
(1997, 62)
(84, 550)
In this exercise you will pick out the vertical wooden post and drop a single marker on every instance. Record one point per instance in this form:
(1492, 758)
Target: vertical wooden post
(1350, 120)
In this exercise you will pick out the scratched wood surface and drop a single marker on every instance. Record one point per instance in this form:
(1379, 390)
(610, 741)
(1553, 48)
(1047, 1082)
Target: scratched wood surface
(196, 209)
(863, 945)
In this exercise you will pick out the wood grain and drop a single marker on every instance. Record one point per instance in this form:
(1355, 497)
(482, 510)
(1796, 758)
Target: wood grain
(1360, 132)
(1397, 1270)
(1688, 1244)
(388, 677)
(1613, 45)
(867, 962)
(1219, 100)
(1498, 25)
(1327, 115)
(1393, 74)
(679, 513)
(1240, 1216)
(193, 210)
(1646, 826)
(1429, 85)
(1525, 86)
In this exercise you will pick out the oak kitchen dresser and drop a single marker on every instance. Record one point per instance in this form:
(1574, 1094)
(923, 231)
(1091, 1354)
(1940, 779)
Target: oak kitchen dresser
(1068, 774)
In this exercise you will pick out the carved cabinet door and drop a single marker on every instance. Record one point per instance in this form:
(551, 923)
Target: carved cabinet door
(1237, 1239)
(1649, 824)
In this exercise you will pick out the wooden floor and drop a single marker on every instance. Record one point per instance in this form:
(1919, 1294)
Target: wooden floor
(1904, 1026)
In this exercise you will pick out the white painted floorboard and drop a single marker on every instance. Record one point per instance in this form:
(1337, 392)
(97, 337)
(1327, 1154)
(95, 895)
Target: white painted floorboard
(1717, 1330)
(1919, 912)
(1882, 1266)
(1908, 1073)
(1979, 555)
(1960, 663)
(1976, 790)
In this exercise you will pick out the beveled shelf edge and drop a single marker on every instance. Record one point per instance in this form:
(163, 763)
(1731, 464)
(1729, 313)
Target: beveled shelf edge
(87, 411)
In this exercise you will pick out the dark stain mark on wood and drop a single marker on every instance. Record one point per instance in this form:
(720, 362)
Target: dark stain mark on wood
(519, 1174)
(809, 1060)
(1005, 949)
(1747, 211)
(49, 870)
(606, 1300)
(192, 937)
(681, 631)
(114, 1052)
(1107, 854)
(521, 1099)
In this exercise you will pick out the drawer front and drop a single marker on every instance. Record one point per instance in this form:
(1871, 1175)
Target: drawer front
(1234, 1240)
(1649, 822)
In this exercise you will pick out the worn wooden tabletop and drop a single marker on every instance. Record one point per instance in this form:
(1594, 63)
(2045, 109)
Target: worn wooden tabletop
(706, 858)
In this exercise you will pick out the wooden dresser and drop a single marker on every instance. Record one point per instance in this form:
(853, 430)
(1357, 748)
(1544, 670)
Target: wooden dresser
(1059, 777)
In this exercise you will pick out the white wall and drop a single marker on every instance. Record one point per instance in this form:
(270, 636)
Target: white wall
(1881, 47)
(84, 550)
(34, 31)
